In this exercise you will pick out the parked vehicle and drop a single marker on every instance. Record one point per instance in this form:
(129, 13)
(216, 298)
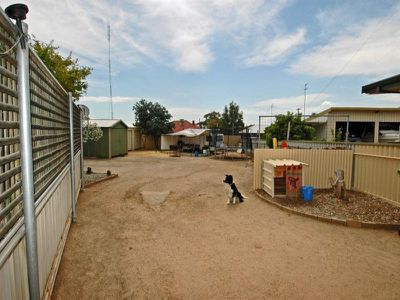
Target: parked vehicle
(389, 136)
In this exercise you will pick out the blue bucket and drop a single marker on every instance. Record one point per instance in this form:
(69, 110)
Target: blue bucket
(307, 192)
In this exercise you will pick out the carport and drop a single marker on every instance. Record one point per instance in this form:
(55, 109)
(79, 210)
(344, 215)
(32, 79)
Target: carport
(391, 85)
(192, 136)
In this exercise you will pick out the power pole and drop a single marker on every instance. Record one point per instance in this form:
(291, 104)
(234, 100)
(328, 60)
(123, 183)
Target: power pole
(109, 68)
(305, 98)
(272, 105)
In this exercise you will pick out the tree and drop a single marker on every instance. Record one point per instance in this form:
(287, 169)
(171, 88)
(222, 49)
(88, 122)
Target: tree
(90, 132)
(66, 70)
(152, 118)
(212, 120)
(232, 119)
(299, 130)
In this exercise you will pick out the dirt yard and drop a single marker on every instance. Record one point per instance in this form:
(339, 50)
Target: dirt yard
(194, 246)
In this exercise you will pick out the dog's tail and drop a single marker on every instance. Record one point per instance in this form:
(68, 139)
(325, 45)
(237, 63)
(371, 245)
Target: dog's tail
(242, 197)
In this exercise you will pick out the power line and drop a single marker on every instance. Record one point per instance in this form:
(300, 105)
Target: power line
(384, 21)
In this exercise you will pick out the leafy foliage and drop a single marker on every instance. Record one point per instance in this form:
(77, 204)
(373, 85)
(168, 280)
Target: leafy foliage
(90, 132)
(232, 119)
(212, 120)
(299, 130)
(152, 118)
(66, 70)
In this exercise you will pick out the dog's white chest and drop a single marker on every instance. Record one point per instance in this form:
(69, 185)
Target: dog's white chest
(230, 191)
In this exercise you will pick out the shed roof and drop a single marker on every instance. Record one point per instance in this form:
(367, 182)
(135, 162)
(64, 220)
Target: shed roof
(284, 162)
(385, 86)
(191, 132)
(106, 123)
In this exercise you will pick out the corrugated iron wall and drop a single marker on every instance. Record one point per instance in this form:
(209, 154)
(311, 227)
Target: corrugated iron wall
(377, 170)
(321, 164)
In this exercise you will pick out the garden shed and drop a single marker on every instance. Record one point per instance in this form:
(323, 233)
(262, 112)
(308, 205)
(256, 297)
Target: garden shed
(114, 141)
(134, 138)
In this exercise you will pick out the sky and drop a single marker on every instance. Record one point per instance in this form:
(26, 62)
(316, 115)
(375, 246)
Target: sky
(196, 56)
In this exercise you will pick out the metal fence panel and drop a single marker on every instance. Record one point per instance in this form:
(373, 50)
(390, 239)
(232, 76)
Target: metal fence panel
(321, 164)
(10, 177)
(77, 128)
(50, 128)
(50, 125)
(377, 170)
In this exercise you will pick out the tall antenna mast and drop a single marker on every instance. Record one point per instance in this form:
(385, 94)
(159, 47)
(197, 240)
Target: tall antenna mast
(109, 68)
(305, 98)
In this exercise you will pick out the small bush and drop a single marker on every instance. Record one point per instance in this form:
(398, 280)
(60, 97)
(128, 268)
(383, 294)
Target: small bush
(89, 170)
(108, 173)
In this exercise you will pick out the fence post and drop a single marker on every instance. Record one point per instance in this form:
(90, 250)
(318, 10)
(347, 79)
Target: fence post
(72, 164)
(82, 175)
(25, 129)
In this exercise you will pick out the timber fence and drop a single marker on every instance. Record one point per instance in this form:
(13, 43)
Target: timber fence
(54, 171)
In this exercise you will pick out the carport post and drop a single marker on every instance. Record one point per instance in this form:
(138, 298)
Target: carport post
(347, 129)
(71, 149)
(28, 189)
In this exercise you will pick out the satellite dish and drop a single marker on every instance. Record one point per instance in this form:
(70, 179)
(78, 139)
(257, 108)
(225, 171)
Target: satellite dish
(85, 110)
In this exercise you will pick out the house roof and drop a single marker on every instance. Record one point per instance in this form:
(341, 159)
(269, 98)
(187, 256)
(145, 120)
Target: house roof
(321, 116)
(349, 108)
(385, 86)
(190, 132)
(182, 125)
(106, 123)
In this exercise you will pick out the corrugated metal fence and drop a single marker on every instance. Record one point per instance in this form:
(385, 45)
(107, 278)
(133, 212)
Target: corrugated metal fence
(369, 168)
(321, 164)
(52, 176)
(377, 170)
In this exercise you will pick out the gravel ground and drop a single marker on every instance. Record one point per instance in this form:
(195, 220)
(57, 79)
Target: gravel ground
(360, 206)
(89, 178)
(194, 246)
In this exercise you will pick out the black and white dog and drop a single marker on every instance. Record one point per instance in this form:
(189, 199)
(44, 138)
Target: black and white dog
(234, 195)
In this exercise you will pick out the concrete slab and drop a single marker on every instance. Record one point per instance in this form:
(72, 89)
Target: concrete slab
(154, 198)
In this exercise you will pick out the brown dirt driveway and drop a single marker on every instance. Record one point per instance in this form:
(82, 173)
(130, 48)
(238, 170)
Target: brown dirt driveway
(194, 246)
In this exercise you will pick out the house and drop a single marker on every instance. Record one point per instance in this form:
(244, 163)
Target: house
(182, 125)
(114, 141)
(357, 124)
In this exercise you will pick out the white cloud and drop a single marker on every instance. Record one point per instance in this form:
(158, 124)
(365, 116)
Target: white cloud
(106, 99)
(179, 33)
(378, 100)
(369, 48)
(315, 103)
(272, 51)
